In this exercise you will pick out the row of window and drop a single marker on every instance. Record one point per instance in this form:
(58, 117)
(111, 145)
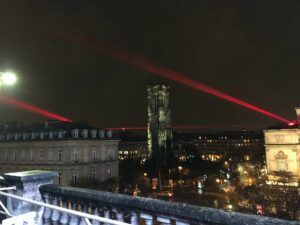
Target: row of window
(76, 133)
(75, 176)
(75, 155)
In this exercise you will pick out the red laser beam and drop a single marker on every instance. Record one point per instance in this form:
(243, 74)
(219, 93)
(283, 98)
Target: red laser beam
(126, 128)
(33, 109)
(151, 67)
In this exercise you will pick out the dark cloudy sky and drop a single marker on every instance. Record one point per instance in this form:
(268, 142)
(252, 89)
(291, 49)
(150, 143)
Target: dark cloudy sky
(249, 49)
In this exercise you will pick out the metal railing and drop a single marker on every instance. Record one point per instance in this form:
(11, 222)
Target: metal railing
(85, 216)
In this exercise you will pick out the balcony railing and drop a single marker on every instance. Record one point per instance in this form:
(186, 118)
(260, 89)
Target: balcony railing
(53, 204)
(52, 214)
(139, 210)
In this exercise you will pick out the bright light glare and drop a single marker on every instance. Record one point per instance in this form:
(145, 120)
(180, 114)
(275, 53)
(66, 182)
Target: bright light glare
(8, 78)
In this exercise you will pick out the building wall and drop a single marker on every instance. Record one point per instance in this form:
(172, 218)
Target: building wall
(68, 157)
(283, 151)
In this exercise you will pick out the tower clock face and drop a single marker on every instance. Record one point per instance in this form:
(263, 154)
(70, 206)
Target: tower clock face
(279, 138)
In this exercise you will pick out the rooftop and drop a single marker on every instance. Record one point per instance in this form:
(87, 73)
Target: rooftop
(52, 130)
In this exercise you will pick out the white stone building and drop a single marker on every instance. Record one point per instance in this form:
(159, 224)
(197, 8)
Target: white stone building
(75, 150)
(283, 153)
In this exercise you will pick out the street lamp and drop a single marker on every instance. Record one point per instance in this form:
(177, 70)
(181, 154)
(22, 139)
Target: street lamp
(7, 78)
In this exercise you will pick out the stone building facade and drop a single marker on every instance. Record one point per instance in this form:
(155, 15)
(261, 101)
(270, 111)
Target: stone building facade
(283, 153)
(159, 132)
(77, 151)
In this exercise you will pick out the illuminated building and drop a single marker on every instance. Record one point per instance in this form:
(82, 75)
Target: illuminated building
(133, 149)
(235, 145)
(159, 118)
(132, 146)
(283, 154)
(76, 150)
(281, 192)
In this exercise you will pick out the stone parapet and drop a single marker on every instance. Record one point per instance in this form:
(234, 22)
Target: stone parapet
(153, 209)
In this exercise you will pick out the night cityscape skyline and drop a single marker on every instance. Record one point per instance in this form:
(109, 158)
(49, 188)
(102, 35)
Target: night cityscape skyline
(175, 112)
(81, 75)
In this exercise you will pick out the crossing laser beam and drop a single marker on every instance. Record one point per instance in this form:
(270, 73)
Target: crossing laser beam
(33, 109)
(101, 47)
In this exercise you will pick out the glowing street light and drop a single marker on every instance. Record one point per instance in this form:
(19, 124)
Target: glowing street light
(7, 78)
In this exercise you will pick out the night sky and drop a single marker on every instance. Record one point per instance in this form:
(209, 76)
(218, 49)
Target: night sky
(249, 49)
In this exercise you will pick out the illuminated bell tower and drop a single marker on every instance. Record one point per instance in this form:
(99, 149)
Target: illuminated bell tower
(159, 118)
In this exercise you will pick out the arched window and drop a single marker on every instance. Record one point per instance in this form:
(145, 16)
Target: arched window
(281, 159)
